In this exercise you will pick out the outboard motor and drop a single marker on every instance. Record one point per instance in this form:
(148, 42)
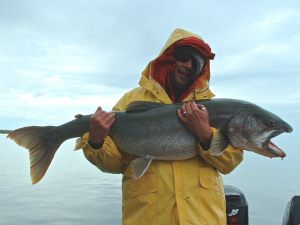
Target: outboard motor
(236, 206)
(292, 212)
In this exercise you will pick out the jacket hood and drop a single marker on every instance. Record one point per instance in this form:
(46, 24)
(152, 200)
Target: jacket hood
(162, 66)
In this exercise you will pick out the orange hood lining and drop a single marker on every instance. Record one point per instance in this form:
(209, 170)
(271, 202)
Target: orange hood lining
(165, 65)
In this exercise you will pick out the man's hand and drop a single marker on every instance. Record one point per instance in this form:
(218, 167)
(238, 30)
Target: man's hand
(100, 124)
(196, 119)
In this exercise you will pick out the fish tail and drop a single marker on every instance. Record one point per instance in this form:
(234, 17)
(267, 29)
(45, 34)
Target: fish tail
(42, 143)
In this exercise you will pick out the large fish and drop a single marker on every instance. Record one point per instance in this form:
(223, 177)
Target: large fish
(153, 131)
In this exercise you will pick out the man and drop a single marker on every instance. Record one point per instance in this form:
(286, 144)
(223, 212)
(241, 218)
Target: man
(170, 192)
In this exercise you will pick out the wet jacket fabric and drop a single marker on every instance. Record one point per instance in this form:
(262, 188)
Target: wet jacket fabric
(170, 192)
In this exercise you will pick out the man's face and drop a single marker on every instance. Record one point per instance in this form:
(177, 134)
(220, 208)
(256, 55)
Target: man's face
(183, 73)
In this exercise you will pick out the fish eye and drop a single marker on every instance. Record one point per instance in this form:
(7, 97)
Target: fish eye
(272, 123)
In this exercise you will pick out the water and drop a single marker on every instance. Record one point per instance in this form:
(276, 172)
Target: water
(74, 192)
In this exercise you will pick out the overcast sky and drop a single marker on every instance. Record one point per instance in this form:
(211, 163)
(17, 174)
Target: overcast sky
(60, 58)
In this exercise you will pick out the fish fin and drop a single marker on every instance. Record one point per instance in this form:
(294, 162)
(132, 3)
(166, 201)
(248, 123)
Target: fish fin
(78, 116)
(139, 166)
(142, 106)
(42, 143)
(78, 144)
(218, 144)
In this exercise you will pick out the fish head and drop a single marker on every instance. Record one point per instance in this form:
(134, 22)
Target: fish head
(253, 129)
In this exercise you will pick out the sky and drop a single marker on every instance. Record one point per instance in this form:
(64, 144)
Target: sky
(61, 58)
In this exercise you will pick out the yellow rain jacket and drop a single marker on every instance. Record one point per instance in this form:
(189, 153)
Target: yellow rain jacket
(171, 192)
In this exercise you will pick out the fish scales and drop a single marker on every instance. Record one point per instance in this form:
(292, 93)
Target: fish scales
(136, 133)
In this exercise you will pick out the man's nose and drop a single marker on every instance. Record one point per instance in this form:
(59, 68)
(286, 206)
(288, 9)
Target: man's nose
(187, 64)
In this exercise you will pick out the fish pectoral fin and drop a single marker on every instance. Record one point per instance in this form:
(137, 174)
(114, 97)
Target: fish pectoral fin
(139, 166)
(218, 144)
(142, 106)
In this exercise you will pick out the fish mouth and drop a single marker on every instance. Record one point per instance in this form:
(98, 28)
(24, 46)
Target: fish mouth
(274, 150)
(270, 149)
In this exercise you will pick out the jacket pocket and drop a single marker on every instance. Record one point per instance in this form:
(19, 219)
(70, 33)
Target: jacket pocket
(211, 179)
(133, 188)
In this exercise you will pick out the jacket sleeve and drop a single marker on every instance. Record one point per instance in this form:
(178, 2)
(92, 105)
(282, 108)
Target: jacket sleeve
(107, 158)
(225, 162)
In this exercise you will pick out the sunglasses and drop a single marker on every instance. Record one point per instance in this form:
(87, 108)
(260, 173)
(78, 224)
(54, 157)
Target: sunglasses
(183, 53)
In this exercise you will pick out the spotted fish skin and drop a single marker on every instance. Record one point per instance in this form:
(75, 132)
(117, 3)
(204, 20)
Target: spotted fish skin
(156, 132)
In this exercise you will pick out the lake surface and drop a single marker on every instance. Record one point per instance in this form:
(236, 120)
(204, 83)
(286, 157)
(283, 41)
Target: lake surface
(74, 192)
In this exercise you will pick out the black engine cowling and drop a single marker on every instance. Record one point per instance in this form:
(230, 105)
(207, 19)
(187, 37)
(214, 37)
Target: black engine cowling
(236, 206)
(292, 212)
